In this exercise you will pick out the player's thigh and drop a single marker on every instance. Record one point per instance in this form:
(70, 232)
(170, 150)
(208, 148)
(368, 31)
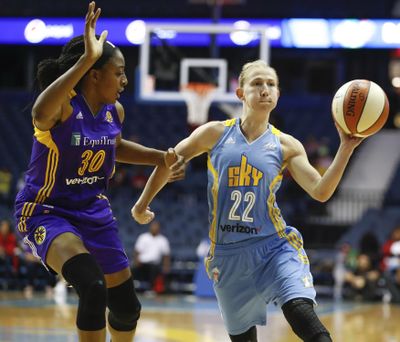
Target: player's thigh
(53, 239)
(63, 248)
(241, 306)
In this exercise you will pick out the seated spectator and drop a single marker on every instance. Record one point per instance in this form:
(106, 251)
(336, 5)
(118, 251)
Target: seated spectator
(390, 264)
(370, 246)
(346, 259)
(5, 186)
(152, 258)
(8, 254)
(34, 276)
(139, 179)
(363, 279)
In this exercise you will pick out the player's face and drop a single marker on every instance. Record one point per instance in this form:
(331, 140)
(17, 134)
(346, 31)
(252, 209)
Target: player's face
(112, 79)
(260, 90)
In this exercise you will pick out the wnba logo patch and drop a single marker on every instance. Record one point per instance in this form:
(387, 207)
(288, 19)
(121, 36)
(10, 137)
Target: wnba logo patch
(109, 117)
(307, 281)
(215, 274)
(40, 235)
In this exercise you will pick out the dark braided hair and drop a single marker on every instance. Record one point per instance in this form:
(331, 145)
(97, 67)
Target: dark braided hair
(52, 68)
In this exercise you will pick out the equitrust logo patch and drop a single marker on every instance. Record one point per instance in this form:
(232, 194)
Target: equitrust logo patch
(75, 139)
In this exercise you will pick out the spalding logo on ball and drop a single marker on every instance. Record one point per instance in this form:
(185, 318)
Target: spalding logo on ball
(360, 108)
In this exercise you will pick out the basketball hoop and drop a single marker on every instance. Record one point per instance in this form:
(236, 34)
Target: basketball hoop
(198, 97)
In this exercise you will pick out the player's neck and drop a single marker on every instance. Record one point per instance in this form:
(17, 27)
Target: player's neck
(93, 106)
(254, 126)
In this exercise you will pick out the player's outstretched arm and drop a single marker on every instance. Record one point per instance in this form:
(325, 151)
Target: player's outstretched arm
(47, 109)
(200, 141)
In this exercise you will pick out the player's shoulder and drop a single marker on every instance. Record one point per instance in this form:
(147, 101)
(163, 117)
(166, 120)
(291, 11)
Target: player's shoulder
(291, 146)
(212, 127)
(207, 135)
(120, 111)
(285, 138)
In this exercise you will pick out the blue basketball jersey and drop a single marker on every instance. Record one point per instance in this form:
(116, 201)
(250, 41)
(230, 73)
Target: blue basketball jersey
(72, 163)
(243, 179)
(254, 258)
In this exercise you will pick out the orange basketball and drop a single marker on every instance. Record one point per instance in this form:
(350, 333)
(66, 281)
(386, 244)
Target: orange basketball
(360, 107)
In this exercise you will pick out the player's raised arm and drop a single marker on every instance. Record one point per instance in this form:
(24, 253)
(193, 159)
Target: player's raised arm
(200, 141)
(48, 107)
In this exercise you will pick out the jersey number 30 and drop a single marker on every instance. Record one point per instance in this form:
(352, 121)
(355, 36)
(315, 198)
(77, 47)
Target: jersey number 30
(236, 197)
(91, 161)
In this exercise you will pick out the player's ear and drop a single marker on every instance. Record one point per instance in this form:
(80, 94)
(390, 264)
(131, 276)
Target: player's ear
(240, 93)
(93, 74)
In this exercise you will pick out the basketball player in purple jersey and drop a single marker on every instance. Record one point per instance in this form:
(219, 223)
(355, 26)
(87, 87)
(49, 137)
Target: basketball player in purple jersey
(255, 258)
(62, 212)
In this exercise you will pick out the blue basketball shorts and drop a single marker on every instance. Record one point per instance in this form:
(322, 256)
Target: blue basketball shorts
(250, 274)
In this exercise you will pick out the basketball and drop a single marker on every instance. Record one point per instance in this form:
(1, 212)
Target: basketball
(360, 107)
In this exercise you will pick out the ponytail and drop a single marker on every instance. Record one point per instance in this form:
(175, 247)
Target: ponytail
(48, 71)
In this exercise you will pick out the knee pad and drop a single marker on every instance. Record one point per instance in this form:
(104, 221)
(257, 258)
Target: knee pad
(248, 336)
(84, 274)
(124, 306)
(300, 314)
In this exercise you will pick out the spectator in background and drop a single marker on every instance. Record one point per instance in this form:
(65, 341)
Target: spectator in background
(324, 158)
(139, 179)
(8, 254)
(370, 246)
(33, 276)
(355, 273)
(203, 248)
(346, 259)
(363, 279)
(203, 285)
(152, 258)
(390, 264)
(311, 146)
(5, 185)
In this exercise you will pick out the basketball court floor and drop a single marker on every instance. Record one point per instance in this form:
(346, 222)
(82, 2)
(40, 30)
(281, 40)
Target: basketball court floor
(190, 319)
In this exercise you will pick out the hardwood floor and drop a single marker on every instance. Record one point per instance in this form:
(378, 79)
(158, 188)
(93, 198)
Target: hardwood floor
(190, 319)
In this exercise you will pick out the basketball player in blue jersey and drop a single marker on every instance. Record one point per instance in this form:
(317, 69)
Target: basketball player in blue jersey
(62, 212)
(255, 257)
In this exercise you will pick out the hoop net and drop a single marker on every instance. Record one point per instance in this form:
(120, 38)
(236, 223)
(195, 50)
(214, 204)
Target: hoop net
(198, 97)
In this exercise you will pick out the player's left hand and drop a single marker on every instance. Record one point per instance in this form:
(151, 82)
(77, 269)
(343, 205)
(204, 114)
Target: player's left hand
(142, 216)
(176, 164)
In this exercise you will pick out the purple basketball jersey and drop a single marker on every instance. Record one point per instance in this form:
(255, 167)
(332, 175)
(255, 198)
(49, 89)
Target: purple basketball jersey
(69, 171)
(73, 162)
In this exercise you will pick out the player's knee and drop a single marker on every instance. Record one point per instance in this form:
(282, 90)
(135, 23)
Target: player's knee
(85, 275)
(248, 336)
(124, 306)
(300, 314)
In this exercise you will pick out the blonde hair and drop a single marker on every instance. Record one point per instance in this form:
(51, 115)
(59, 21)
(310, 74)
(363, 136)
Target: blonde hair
(257, 63)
